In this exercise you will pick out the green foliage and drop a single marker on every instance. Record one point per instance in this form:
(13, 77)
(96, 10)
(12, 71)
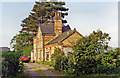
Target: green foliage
(56, 53)
(45, 62)
(91, 54)
(21, 67)
(22, 40)
(59, 61)
(27, 50)
(106, 68)
(71, 69)
(87, 51)
(10, 63)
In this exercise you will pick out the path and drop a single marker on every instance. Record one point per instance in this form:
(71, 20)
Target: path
(33, 69)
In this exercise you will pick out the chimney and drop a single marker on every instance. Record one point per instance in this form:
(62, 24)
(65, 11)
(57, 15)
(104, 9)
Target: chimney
(58, 23)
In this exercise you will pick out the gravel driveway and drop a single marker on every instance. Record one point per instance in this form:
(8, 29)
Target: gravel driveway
(33, 69)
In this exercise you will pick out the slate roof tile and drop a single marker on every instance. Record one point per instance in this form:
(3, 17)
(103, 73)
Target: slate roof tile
(65, 28)
(60, 37)
(47, 29)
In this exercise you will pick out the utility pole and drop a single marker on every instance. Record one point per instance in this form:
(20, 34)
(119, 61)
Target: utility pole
(43, 48)
(43, 41)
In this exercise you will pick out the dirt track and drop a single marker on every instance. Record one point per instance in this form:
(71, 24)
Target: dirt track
(33, 69)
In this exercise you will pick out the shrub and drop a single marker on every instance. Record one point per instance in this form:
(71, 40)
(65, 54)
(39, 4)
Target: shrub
(59, 61)
(106, 69)
(71, 69)
(90, 57)
(10, 63)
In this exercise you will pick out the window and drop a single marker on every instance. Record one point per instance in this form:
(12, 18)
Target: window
(41, 54)
(47, 56)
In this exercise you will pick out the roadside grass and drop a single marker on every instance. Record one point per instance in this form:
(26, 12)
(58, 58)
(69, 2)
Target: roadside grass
(44, 62)
(46, 65)
(59, 73)
(50, 68)
(37, 68)
(39, 71)
(63, 73)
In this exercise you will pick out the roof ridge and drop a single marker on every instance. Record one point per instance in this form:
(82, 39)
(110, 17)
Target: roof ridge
(59, 36)
(68, 35)
(52, 39)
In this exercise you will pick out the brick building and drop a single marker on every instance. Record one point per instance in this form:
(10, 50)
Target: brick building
(53, 36)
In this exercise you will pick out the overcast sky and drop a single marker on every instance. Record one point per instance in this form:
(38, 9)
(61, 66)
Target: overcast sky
(84, 16)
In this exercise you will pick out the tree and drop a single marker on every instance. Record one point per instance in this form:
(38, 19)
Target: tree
(42, 13)
(89, 51)
(27, 50)
(20, 41)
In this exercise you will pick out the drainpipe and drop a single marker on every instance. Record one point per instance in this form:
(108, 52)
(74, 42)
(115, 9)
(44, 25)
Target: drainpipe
(43, 49)
(36, 49)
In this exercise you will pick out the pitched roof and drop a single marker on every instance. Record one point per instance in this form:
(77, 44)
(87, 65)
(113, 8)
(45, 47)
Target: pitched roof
(65, 28)
(61, 37)
(47, 29)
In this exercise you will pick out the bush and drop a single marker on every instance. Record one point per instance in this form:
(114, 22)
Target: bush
(106, 69)
(90, 56)
(71, 69)
(59, 61)
(44, 62)
(10, 63)
(21, 67)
